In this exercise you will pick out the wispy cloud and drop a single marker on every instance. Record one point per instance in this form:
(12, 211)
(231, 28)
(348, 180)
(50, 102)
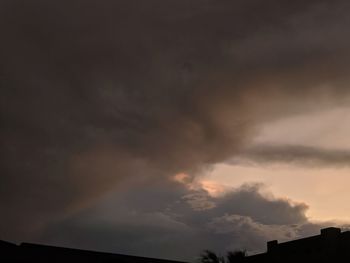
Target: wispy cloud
(294, 154)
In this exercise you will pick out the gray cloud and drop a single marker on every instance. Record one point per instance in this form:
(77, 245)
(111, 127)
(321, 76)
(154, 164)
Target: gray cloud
(157, 223)
(294, 154)
(96, 93)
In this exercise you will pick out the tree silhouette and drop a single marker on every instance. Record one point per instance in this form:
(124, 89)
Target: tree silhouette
(232, 257)
(236, 256)
(210, 257)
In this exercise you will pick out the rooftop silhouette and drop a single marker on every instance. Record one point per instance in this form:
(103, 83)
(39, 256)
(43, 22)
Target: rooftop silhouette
(331, 245)
(27, 252)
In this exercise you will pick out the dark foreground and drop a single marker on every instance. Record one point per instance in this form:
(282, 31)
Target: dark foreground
(27, 252)
(331, 245)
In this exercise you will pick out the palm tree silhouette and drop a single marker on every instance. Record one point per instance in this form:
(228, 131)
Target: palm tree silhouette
(209, 256)
(236, 256)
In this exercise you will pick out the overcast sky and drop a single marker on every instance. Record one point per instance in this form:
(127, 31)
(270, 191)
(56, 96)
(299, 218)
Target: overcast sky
(164, 127)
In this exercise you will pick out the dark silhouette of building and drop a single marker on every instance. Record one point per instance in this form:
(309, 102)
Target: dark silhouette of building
(331, 245)
(27, 252)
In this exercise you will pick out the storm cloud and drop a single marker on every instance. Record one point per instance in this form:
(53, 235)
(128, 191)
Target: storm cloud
(157, 223)
(95, 93)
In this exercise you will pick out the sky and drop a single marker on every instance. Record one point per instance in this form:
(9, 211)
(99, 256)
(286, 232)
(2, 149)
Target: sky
(162, 128)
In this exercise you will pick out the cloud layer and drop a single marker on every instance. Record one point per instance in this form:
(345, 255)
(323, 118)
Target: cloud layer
(96, 93)
(157, 223)
(294, 154)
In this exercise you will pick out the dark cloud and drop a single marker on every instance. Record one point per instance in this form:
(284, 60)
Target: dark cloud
(94, 93)
(294, 154)
(158, 223)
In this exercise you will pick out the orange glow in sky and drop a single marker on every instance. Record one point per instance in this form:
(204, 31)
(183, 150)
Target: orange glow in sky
(324, 189)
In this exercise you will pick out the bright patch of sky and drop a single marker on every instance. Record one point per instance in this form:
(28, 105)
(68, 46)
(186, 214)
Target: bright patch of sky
(324, 189)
